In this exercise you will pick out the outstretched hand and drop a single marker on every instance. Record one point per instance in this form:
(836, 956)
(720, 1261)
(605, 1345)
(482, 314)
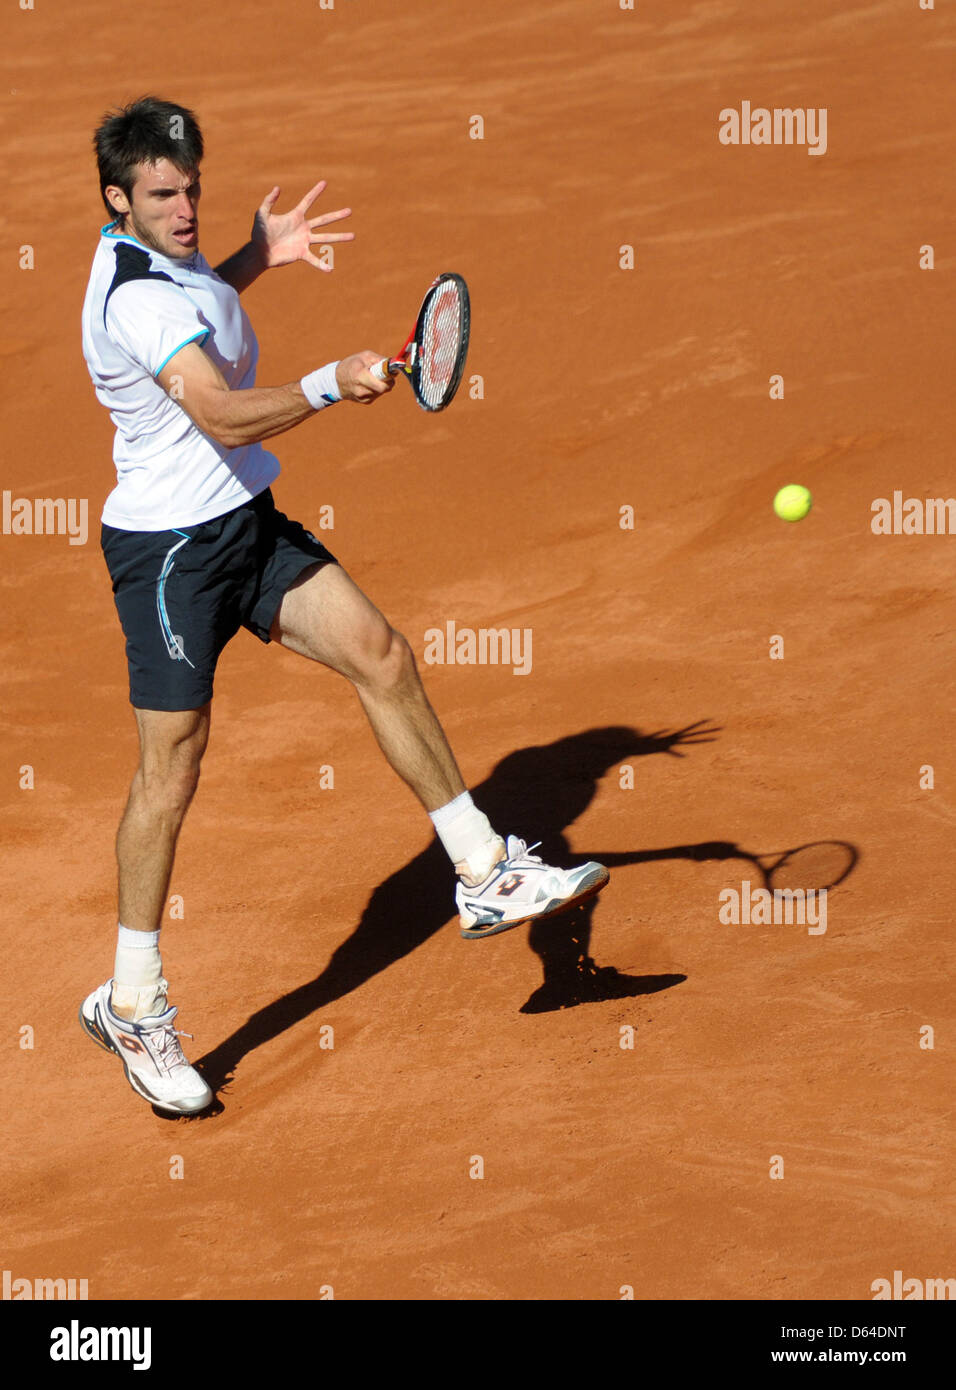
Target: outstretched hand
(281, 238)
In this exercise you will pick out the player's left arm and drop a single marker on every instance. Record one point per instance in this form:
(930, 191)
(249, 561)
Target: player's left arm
(281, 238)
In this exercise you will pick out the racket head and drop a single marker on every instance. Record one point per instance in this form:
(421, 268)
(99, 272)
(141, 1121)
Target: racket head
(436, 359)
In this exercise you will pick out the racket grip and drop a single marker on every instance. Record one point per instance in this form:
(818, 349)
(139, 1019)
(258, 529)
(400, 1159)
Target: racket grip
(383, 370)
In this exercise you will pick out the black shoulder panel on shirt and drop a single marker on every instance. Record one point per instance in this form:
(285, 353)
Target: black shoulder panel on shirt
(132, 263)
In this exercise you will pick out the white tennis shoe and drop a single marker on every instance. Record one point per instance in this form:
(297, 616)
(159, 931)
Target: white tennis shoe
(521, 888)
(150, 1052)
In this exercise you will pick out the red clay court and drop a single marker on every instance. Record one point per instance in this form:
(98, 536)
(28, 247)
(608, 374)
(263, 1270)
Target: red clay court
(305, 907)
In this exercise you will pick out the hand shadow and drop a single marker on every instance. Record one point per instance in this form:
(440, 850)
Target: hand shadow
(534, 792)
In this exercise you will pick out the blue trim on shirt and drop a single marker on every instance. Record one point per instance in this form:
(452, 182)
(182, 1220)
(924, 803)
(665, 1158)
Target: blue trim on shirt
(203, 333)
(119, 236)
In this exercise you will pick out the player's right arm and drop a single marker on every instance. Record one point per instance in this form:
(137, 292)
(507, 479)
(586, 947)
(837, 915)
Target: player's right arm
(235, 418)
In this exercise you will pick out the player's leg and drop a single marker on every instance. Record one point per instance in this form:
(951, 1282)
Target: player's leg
(178, 597)
(172, 744)
(306, 601)
(325, 616)
(130, 1015)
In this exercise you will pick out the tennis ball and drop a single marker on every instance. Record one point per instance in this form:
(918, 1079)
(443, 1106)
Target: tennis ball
(792, 502)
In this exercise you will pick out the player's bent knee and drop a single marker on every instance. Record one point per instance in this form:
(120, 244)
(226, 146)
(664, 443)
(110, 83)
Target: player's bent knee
(387, 661)
(399, 662)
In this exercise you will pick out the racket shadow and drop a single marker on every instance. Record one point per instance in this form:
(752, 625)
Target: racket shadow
(817, 864)
(536, 791)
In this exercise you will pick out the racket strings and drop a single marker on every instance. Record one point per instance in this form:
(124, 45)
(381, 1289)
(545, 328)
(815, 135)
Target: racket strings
(441, 344)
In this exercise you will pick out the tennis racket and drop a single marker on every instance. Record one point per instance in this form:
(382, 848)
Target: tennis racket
(433, 357)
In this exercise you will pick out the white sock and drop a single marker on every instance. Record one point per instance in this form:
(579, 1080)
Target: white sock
(470, 842)
(139, 989)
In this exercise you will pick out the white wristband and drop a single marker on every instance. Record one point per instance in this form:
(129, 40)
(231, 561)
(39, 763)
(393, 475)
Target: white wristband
(321, 388)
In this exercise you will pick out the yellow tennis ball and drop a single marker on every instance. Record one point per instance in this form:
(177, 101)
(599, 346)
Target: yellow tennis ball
(792, 502)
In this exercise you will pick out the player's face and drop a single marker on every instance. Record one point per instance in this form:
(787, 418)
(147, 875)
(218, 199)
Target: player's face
(164, 209)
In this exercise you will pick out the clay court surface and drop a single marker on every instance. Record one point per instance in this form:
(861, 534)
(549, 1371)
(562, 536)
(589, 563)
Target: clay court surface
(305, 907)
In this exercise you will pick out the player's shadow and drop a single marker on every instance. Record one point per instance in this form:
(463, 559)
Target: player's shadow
(532, 792)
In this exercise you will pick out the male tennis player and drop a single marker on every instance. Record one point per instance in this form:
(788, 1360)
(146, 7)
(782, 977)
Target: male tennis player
(196, 549)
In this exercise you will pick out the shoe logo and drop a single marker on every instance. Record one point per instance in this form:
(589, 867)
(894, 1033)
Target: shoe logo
(509, 885)
(485, 913)
(131, 1044)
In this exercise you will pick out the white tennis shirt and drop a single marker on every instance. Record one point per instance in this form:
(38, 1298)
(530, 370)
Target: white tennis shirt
(141, 307)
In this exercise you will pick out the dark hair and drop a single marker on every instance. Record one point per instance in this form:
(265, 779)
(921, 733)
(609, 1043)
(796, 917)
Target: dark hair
(144, 132)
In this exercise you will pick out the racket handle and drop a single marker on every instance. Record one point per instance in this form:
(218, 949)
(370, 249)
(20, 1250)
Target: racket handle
(384, 369)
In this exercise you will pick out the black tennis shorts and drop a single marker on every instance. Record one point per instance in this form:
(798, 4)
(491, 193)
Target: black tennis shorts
(183, 594)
